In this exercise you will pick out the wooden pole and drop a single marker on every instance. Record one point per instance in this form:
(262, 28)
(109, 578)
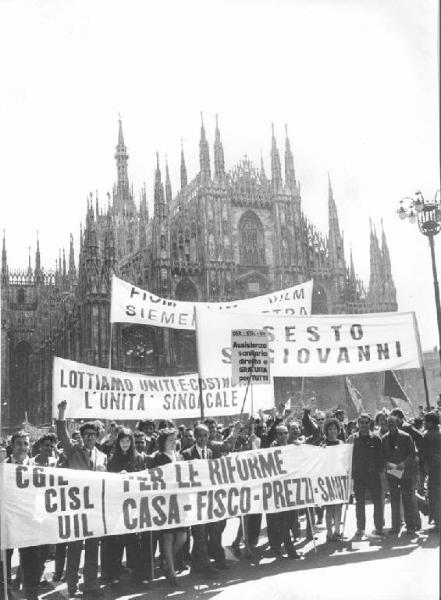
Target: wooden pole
(248, 385)
(201, 399)
(420, 355)
(110, 345)
(344, 521)
(311, 522)
(302, 393)
(2, 518)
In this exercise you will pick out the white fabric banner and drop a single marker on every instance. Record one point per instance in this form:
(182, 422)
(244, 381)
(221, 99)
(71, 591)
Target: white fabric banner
(94, 392)
(35, 432)
(131, 304)
(315, 345)
(49, 506)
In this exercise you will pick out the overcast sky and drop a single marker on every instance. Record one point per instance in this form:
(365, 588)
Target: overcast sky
(356, 82)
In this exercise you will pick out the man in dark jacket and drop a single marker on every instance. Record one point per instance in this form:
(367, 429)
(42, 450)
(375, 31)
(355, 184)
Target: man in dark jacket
(399, 456)
(279, 523)
(430, 458)
(200, 561)
(416, 436)
(367, 465)
(84, 457)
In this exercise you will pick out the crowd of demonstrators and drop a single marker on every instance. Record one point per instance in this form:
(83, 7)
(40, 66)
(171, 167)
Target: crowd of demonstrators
(391, 457)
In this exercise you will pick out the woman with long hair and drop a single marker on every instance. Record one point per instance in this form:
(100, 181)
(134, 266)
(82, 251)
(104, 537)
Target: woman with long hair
(172, 540)
(331, 429)
(124, 459)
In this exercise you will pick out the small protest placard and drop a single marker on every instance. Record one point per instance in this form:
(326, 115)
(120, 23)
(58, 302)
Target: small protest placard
(250, 356)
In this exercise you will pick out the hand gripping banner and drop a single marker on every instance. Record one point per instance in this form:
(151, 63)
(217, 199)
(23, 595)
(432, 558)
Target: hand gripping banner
(131, 304)
(314, 345)
(50, 506)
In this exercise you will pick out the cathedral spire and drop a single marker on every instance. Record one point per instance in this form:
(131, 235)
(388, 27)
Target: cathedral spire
(351, 267)
(263, 179)
(29, 261)
(143, 209)
(219, 161)
(387, 270)
(158, 195)
(121, 156)
(262, 165)
(71, 257)
(276, 169)
(90, 232)
(37, 258)
(183, 167)
(290, 175)
(375, 285)
(143, 218)
(335, 237)
(389, 290)
(168, 188)
(4, 260)
(204, 155)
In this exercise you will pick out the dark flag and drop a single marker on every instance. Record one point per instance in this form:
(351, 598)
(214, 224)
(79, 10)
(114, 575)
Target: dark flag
(398, 397)
(354, 399)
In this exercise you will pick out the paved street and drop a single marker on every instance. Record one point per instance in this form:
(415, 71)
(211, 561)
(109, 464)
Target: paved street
(398, 568)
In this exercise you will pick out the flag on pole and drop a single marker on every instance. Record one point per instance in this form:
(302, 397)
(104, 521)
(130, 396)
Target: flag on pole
(395, 392)
(354, 399)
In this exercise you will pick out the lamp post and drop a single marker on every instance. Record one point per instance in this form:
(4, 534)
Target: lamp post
(428, 216)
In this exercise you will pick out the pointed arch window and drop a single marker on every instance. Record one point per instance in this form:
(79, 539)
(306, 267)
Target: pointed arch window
(184, 342)
(139, 349)
(252, 240)
(319, 305)
(21, 380)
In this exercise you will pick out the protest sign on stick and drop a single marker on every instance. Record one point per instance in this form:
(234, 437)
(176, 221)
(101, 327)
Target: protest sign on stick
(49, 506)
(131, 304)
(250, 365)
(249, 360)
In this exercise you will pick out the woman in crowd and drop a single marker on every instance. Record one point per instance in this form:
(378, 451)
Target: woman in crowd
(333, 511)
(124, 459)
(172, 539)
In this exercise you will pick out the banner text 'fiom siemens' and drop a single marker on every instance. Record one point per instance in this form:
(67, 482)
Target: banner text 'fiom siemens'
(131, 304)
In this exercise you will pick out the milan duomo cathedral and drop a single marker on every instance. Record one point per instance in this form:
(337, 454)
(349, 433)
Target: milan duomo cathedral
(224, 235)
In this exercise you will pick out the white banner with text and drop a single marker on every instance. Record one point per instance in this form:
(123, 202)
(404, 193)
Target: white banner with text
(51, 506)
(131, 304)
(94, 392)
(315, 345)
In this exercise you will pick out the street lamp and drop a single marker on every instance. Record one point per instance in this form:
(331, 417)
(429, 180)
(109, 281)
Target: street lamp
(428, 216)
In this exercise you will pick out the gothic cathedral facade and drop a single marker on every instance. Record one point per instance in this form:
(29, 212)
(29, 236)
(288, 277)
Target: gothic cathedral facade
(225, 235)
